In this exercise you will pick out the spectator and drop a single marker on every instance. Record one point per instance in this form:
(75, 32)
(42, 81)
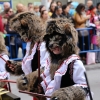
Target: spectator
(30, 7)
(4, 14)
(20, 8)
(44, 16)
(66, 9)
(98, 8)
(41, 8)
(80, 19)
(96, 38)
(6, 6)
(52, 8)
(91, 10)
(59, 3)
(36, 10)
(57, 13)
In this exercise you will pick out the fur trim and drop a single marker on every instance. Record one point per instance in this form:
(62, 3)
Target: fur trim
(32, 82)
(3, 49)
(29, 26)
(69, 93)
(60, 33)
(17, 68)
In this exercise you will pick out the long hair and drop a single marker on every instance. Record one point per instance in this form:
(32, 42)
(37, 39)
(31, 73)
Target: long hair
(79, 8)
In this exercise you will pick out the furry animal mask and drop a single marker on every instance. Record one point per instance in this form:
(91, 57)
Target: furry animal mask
(29, 26)
(61, 33)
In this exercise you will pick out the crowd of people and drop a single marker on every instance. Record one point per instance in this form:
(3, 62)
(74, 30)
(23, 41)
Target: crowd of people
(80, 15)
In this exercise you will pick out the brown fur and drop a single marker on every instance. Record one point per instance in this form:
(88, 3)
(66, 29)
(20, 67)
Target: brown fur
(16, 66)
(29, 26)
(60, 33)
(32, 78)
(69, 93)
(3, 48)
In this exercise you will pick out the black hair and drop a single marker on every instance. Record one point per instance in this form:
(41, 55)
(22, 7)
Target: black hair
(40, 7)
(97, 5)
(50, 6)
(64, 7)
(42, 12)
(56, 8)
(79, 8)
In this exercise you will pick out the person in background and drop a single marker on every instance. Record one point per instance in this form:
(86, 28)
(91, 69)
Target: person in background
(91, 10)
(80, 19)
(59, 3)
(41, 8)
(65, 13)
(4, 14)
(36, 10)
(30, 7)
(20, 8)
(12, 38)
(57, 13)
(52, 8)
(6, 6)
(44, 16)
(98, 8)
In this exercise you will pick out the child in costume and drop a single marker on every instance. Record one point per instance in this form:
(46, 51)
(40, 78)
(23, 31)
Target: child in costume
(63, 77)
(4, 54)
(31, 29)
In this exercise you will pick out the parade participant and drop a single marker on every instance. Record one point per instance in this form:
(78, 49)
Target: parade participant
(63, 77)
(3, 54)
(31, 29)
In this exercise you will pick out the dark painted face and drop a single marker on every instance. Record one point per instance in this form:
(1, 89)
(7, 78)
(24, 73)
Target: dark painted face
(55, 43)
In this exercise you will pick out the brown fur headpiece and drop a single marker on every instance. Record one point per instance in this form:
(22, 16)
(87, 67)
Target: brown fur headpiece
(61, 33)
(28, 25)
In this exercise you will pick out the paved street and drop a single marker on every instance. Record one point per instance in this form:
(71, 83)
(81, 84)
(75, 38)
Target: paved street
(94, 80)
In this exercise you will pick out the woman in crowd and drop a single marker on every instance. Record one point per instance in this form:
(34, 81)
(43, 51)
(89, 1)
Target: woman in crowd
(66, 9)
(44, 16)
(57, 13)
(80, 19)
(52, 8)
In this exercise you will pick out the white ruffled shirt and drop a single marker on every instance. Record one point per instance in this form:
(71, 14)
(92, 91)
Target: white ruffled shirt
(3, 73)
(50, 86)
(26, 63)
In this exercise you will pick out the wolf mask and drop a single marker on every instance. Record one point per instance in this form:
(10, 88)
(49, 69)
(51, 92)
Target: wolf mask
(61, 33)
(28, 25)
